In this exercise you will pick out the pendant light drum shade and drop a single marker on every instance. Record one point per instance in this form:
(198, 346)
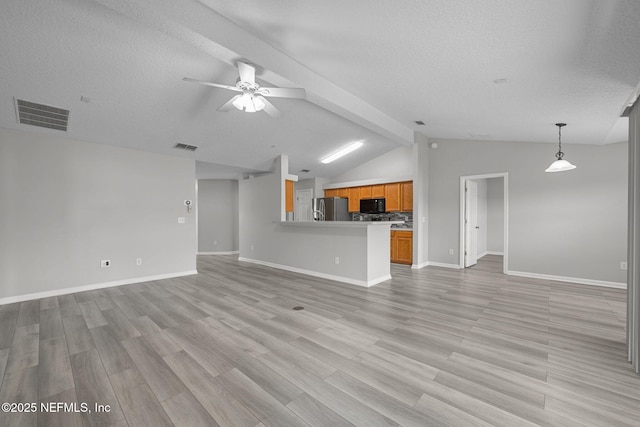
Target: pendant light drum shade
(560, 165)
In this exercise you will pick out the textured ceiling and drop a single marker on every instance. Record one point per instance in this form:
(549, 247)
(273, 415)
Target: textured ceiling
(370, 68)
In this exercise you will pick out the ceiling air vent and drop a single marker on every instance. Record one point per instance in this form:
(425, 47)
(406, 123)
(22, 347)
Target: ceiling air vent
(44, 116)
(181, 146)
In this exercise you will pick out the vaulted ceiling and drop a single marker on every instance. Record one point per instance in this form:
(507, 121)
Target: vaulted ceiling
(470, 69)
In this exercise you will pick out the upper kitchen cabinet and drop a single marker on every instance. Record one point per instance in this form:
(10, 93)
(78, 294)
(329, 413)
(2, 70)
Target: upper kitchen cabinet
(406, 196)
(354, 199)
(288, 196)
(377, 191)
(332, 192)
(392, 197)
(343, 192)
(365, 192)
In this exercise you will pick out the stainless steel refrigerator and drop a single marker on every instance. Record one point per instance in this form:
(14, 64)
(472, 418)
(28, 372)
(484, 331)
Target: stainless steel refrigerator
(331, 209)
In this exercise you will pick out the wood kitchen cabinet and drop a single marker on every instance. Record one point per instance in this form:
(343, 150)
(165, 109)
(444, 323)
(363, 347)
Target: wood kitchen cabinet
(406, 196)
(377, 191)
(288, 196)
(402, 247)
(365, 192)
(333, 192)
(398, 195)
(392, 197)
(354, 199)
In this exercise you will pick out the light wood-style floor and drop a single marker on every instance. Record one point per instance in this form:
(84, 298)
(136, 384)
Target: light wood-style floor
(430, 347)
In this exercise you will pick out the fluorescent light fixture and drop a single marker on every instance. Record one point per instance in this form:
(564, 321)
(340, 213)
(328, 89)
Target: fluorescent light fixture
(344, 151)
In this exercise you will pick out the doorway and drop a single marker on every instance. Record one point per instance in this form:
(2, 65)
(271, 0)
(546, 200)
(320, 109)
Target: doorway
(484, 218)
(302, 207)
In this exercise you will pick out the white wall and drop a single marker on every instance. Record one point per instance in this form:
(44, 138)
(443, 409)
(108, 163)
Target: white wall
(65, 205)
(495, 215)
(570, 224)
(217, 215)
(394, 165)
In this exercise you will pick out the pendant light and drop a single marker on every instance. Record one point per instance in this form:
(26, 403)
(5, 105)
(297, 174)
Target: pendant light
(560, 165)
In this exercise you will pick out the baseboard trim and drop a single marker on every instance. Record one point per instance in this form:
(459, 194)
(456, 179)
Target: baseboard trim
(366, 284)
(578, 280)
(494, 253)
(93, 287)
(219, 253)
(419, 266)
(442, 264)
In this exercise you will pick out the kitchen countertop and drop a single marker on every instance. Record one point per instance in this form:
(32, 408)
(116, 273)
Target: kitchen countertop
(351, 224)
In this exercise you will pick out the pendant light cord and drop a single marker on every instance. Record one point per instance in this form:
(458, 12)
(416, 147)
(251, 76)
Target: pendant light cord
(560, 153)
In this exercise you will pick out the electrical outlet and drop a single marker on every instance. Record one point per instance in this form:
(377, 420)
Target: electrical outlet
(215, 243)
(450, 251)
(337, 260)
(623, 265)
(252, 248)
(105, 263)
(138, 261)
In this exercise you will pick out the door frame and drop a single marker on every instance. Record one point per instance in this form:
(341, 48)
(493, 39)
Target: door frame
(461, 243)
(468, 223)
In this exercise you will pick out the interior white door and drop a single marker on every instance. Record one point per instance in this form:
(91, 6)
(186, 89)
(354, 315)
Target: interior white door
(302, 208)
(470, 223)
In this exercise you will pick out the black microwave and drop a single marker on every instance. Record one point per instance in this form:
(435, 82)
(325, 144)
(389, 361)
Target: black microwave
(372, 206)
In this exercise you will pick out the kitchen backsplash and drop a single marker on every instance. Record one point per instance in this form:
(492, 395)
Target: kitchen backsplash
(407, 217)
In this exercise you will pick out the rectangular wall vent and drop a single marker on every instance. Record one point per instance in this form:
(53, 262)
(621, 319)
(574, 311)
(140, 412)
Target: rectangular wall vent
(187, 147)
(44, 116)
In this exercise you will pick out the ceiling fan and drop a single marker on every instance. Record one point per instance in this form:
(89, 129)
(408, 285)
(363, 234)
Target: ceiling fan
(253, 95)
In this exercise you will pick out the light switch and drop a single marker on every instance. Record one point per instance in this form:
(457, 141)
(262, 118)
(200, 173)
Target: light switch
(181, 220)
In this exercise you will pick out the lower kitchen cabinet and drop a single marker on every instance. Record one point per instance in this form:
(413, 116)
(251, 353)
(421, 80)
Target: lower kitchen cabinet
(401, 247)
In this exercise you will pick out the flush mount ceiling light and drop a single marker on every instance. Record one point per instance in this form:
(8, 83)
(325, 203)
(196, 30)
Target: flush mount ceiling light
(344, 151)
(560, 165)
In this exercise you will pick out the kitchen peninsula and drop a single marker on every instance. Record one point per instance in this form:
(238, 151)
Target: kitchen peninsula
(355, 252)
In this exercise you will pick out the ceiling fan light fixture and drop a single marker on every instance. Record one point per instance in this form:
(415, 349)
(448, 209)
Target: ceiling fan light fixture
(248, 103)
(560, 165)
(342, 152)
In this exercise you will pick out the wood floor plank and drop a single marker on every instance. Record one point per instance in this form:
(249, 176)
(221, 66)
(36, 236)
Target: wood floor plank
(19, 387)
(315, 413)
(155, 371)
(24, 349)
(78, 336)
(93, 387)
(268, 409)
(138, 402)
(121, 327)
(54, 373)
(185, 410)
(219, 403)
(29, 313)
(92, 314)
(113, 354)
(8, 320)
(51, 323)
(62, 418)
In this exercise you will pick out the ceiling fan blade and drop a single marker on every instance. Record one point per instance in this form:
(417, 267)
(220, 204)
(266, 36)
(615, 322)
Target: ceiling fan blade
(229, 104)
(269, 108)
(233, 88)
(283, 92)
(247, 73)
